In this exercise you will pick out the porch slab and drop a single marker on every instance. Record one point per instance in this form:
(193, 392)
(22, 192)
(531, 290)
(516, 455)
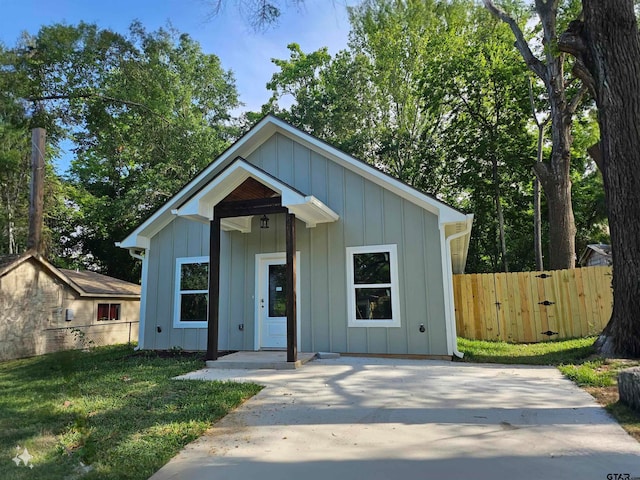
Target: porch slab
(276, 360)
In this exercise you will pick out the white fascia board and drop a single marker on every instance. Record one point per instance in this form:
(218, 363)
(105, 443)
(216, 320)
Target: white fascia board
(248, 144)
(307, 208)
(241, 224)
(312, 212)
(162, 217)
(213, 193)
(134, 241)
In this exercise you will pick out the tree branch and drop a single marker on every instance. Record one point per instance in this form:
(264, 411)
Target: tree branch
(575, 101)
(105, 98)
(534, 64)
(533, 109)
(595, 152)
(572, 43)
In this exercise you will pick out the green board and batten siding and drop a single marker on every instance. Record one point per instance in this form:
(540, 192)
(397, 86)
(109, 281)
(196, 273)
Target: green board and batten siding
(369, 215)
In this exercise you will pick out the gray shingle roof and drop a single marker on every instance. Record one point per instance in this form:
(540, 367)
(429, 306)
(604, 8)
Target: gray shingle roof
(96, 283)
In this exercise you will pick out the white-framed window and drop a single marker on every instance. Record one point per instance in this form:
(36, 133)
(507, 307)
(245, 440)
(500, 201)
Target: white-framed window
(372, 280)
(192, 292)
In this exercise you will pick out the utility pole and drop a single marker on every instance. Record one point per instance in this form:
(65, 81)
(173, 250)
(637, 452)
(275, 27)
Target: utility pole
(36, 197)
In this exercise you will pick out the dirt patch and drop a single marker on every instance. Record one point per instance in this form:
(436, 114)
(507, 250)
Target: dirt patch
(609, 398)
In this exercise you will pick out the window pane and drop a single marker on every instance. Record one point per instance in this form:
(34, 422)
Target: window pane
(371, 268)
(114, 311)
(277, 290)
(103, 311)
(194, 276)
(373, 304)
(193, 307)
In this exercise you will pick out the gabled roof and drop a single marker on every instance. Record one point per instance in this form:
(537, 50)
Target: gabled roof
(601, 249)
(200, 205)
(7, 261)
(85, 283)
(261, 132)
(93, 283)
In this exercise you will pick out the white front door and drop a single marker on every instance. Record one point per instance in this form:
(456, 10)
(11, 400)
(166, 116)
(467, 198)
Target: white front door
(271, 301)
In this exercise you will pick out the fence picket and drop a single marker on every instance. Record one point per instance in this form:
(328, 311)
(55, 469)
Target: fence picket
(510, 306)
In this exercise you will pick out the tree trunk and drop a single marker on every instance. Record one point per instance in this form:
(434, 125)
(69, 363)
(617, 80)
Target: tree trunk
(500, 215)
(537, 204)
(562, 229)
(607, 44)
(537, 225)
(553, 176)
(36, 202)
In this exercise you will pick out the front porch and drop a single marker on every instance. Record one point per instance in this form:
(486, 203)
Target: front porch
(264, 360)
(229, 202)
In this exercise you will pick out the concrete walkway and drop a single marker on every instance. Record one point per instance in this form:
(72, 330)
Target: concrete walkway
(363, 418)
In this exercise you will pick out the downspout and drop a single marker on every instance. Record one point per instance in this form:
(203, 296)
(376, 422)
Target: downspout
(143, 295)
(449, 298)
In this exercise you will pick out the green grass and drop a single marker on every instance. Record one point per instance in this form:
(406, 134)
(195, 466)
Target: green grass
(555, 352)
(110, 408)
(590, 373)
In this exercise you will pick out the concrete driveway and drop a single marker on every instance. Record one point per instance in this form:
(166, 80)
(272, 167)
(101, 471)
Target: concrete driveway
(364, 418)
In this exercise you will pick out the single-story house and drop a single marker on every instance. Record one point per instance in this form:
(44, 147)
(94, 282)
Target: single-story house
(44, 309)
(373, 265)
(596, 254)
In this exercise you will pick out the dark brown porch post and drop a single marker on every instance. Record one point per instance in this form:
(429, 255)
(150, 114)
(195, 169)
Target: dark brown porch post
(292, 349)
(214, 288)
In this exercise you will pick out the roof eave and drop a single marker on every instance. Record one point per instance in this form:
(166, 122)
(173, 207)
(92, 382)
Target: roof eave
(264, 129)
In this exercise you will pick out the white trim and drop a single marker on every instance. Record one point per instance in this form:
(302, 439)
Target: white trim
(447, 284)
(252, 140)
(144, 282)
(200, 207)
(177, 294)
(352, 321)
(261, 257)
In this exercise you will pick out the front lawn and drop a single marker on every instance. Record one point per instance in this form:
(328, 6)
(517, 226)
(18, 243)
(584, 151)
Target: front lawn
(555, 352)
(112, 410)
(575, 359)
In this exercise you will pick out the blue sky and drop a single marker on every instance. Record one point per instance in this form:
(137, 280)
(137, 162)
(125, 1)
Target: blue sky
(248, 53)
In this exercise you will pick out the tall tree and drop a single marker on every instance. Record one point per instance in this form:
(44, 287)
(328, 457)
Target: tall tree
(368, 100)
(554, 175)
(488, 129)
(146, 112)
(606, 44)
(159, 119)
(14, 187)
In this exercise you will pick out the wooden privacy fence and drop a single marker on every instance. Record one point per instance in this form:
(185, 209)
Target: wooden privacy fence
(533, 306)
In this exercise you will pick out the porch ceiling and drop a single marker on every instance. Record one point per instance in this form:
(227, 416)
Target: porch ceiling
(243, 181)
(250, 189)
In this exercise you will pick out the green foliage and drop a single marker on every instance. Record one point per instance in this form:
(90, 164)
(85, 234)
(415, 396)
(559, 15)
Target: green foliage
(14, 180)
(436, 94)
(118, 411)
(134, 155)
(488, 136)
(146, 111)
(588, 374)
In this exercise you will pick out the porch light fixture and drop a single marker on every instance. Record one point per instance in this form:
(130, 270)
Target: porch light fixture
(264, 221)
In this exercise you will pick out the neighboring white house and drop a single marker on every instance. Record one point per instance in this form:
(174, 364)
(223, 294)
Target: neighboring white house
(373, 257)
